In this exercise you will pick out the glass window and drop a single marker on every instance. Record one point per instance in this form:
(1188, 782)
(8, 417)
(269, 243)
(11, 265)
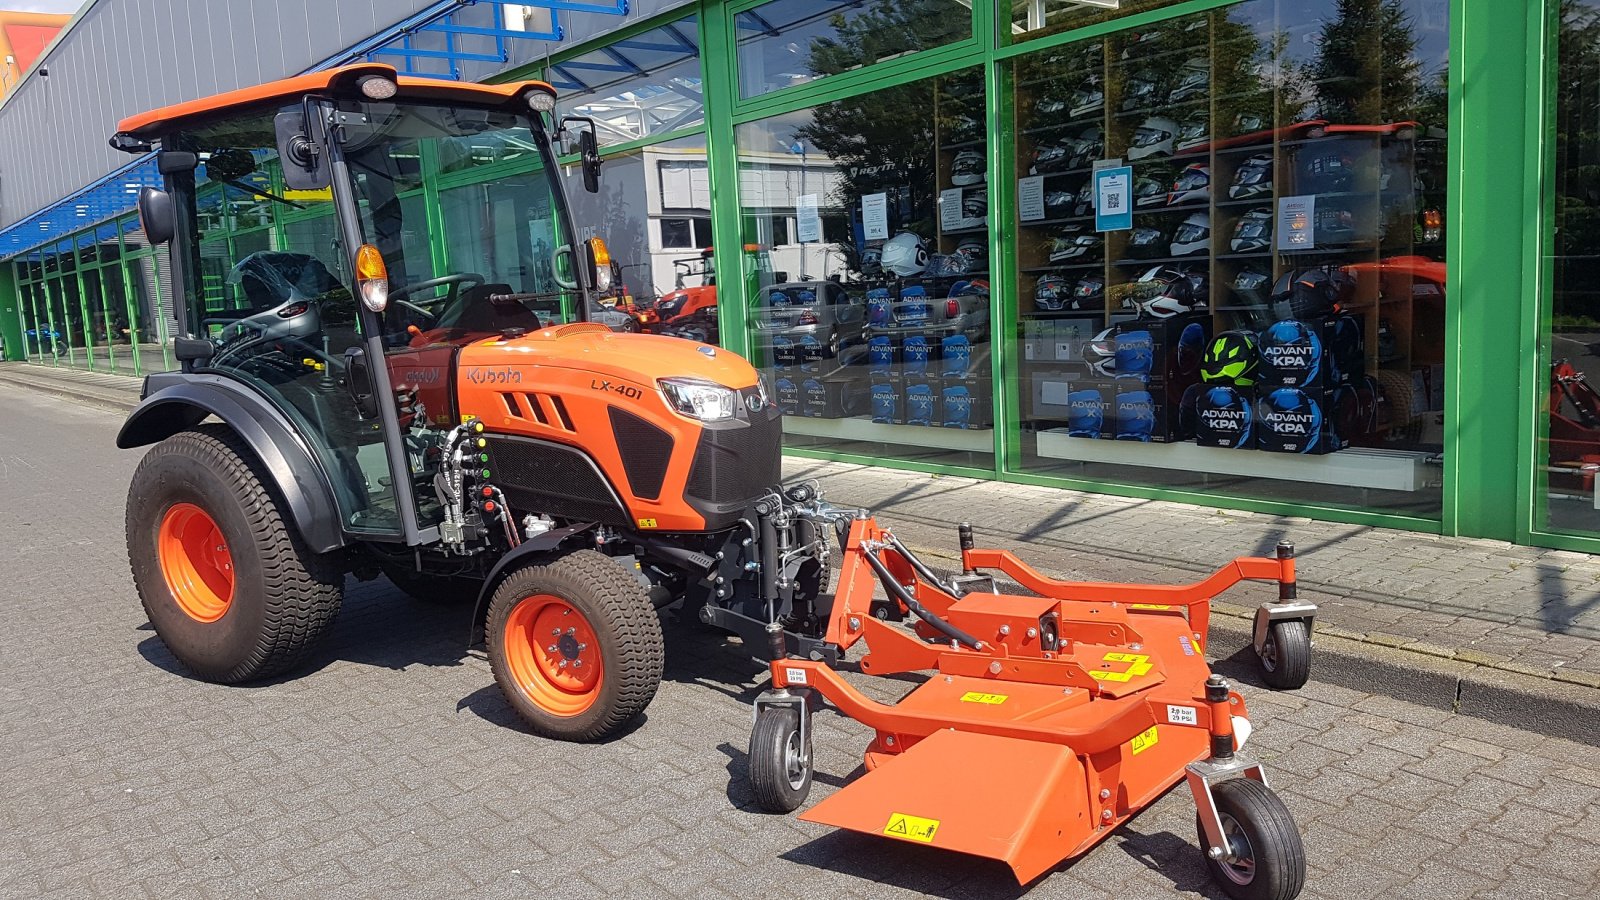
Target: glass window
(876, 335)
(1262, 312)
(788, 42)
(679, 234)
(1571, 455)
(644, 85)
(1036, 18)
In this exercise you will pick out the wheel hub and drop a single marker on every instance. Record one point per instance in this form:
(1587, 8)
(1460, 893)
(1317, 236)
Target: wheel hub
(196, 562)
(1239, 862)
(552, 654)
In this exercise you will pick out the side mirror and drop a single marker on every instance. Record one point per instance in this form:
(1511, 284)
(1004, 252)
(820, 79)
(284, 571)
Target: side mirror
(156, 215)
(305, 166)
(589, 151)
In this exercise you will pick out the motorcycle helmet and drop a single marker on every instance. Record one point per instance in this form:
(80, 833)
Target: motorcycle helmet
(1055, 157)
(1087, 147)
(1148, 191)
(1328, 172)
(1254, 231)
(1193, 80)
(1089, 292)
(1171, 292)
(1060, 204)
(1090, 97)
(905, 255)
(1230, 358)
(1192, 133)
(975, 251)
(1254, 178)
(1193, 185)
(1311, 293)
(1100, 353)
(1049, 106)
(1140, 92)
(1142, 43)
(1085, 199)
(1252, 286)
(1334, 225)
(1083, 248)
(872, 259)
(1052, 294)
(968, 168)
(1245, 123)
(975, 204)
(977, 287)
(1153, 137)
(1145, 242)
(946, 265)
(1193, 236)
(964, 127)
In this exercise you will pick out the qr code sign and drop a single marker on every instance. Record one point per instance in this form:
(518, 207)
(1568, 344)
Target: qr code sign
(1182, 715)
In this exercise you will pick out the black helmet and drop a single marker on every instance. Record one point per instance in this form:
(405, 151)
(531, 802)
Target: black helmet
(1252, 286)
(1311, 293)
(1145, 242)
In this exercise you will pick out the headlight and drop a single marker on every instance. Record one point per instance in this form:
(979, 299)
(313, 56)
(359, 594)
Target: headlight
(703, 400)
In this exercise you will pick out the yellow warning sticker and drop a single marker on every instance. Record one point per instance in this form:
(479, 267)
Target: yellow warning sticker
(913, 828)
(991, 699)
(1144, 740)
(1137, 665)
(1149, 606)
(647, 523)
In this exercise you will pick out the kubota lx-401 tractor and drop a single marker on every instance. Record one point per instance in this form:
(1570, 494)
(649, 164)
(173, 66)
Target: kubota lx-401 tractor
(351, 400)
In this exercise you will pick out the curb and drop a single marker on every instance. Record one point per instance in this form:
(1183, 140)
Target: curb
(69, 389)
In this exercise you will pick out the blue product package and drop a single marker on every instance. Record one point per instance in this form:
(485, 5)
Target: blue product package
(813, 398)
(915, 308)
(957, 407)
(788, 396)
(1291, 355)
(914, 353)
(1136, 352)
(920, 404)
(809, 352)
(1086, 414)
(1222, 418)
(956, 351)
(878, 305)
(783, 355)
(880, 355)
(1136, 415)
(885, 403)
(777, 299)
(1291, 420)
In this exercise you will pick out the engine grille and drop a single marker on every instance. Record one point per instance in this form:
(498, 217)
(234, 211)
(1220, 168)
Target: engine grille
(538, 476)
(645, 451)
(735, 465)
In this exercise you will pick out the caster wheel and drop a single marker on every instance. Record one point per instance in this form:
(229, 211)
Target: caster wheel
(1264, 859)
(780, 762)
(1286, 655)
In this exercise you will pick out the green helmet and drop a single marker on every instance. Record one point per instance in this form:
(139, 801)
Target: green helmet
(1230, 358)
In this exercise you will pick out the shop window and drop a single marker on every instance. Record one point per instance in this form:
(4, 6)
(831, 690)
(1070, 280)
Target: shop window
(645, 85)
(1230, 253)
(1571, 449)
(788, 42)
(1036, 18)
(875, 331)
(682, 234)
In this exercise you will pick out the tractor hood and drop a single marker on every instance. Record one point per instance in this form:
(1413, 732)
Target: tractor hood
(589, 347)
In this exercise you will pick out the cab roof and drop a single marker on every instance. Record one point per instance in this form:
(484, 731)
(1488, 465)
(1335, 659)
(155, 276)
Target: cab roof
(340, 83)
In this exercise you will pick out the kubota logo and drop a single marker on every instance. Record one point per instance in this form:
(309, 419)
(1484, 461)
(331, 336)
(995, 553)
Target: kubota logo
(494, 376)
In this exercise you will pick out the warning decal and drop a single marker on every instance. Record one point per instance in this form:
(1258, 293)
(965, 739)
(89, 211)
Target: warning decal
(912, 828)
(1144, 741)
(975, 697)
(1137, 665)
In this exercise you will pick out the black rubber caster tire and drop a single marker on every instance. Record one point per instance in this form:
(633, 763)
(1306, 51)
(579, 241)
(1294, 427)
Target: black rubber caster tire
(1286, 655)
(1272, 859)
(780, 767)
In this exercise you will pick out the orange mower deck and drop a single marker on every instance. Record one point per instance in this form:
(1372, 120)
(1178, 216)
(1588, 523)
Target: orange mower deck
(1048, 720)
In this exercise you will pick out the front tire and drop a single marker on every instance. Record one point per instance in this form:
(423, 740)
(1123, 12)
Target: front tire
(229, 586)
(1286, 655)
(780, 763)
(575, 646)
(1269, 859)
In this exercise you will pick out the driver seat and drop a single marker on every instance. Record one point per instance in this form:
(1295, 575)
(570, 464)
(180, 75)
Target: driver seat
(482, 317)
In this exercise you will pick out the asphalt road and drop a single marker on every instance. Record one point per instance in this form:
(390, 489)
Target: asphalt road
(390, 767)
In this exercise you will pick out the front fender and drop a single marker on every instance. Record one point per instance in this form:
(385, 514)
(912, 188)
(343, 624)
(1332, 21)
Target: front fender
(176, 402)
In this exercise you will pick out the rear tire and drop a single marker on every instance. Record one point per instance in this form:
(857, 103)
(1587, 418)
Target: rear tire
(594, 614)
(1259, 828)
(229, 586)
(1286, 655)
(780, 766)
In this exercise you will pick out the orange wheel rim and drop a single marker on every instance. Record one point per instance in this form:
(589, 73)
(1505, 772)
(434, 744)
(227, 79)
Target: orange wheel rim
(196, 562)
(553, 655)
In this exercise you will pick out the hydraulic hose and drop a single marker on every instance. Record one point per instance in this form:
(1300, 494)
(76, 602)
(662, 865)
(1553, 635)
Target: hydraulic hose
(920, 568)
(897, 590)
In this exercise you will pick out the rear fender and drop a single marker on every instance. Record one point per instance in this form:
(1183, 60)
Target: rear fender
(176, 402)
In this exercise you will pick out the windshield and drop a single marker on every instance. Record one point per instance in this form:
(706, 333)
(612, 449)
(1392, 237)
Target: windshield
(484, 257)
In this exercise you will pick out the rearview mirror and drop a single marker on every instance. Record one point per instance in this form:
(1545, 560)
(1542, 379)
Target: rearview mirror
(589, 150)
(305, 167)
(156, 215)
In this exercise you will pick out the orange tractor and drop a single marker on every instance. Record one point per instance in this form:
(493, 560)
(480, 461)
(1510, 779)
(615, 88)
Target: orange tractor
(355, 402)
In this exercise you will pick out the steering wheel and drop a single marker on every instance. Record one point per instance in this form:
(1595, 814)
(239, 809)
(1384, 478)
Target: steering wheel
(455, 282)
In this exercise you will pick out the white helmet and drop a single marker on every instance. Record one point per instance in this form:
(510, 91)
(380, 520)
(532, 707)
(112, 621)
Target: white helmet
(1153, 137)
(968, 168)
(904, 255)
(1193, 236)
